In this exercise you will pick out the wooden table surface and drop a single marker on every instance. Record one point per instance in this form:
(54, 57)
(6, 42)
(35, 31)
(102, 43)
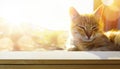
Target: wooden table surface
(59, 64)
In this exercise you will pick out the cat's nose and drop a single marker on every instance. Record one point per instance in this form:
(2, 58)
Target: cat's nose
(88, 34)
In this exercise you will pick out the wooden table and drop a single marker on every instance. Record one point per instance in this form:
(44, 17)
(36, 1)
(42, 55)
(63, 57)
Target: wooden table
(59, 64)
(22, 60)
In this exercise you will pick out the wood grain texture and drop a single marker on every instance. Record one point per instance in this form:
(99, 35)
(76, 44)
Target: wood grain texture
(73, 62)
(59, 66)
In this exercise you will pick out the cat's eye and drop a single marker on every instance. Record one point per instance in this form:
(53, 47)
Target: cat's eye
(82, 27)
(93, 28)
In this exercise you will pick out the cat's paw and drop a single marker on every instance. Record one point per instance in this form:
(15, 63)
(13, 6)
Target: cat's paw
(73, 49)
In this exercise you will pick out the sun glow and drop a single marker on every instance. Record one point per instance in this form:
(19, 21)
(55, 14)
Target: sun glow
(108, 2)
(50, 14)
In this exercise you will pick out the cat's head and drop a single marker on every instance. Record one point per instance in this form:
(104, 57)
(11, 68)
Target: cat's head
(85, 27)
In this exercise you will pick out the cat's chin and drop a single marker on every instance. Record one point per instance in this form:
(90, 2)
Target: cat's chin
(87, 40)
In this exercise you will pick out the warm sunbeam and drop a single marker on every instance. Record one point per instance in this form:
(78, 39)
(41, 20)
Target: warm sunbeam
(50, 14)
(108, 2)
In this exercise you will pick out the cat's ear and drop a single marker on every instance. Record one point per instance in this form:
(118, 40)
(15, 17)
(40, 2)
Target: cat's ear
(73, 13)
(99, 11)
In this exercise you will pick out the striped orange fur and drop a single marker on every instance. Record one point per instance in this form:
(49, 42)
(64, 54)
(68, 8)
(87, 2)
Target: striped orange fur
(88, 35)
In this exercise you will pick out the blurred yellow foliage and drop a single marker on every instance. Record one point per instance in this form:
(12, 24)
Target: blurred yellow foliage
(26, 38)
(51, 39)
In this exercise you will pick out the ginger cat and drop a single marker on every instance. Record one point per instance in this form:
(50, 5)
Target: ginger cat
(88, 35)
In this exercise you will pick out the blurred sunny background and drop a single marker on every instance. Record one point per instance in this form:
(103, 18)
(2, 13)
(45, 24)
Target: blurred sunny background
(29, 25)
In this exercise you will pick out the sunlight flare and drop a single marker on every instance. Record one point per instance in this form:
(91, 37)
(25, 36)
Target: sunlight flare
(108, 2)
(49, 14)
